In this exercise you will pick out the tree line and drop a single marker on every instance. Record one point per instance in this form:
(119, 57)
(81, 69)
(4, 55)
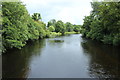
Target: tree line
(60, 26)
(18, 26)
(103, 24)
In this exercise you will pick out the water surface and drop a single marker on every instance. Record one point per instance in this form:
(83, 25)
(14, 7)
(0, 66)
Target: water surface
(69, 56)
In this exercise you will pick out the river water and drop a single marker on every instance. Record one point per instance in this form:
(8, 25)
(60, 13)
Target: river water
(69, 56)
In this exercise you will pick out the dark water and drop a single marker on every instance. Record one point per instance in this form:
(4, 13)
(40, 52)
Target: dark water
(63, 57)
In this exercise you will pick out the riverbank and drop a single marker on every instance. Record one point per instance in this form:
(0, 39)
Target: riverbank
(54, 34)
(51, 35)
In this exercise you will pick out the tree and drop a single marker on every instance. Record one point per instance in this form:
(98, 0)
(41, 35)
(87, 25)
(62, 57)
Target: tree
(103, 23)
(86, 25)
(51, 23)
(77, 28)
(60, 27)
(15, 22)
(36, 16)
(1, 31)
(18, 26)
(69, 27)
(51, 28)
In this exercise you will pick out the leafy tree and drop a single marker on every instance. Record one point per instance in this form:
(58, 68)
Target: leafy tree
(18, 26)
(51, 23)
(1, 30)
(41, 27)
(51, 28)
(36, 16)
(77, 28)
(69, 27)
(103, 23)
(59, 27)
(15, 22)
(86, 25)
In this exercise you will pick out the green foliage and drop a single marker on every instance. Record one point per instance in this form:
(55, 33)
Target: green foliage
(116, 39)
(51, 29)
(51, 23)
(71, 32)
(19, 27)
(62, 27)
(103, 24)
(59, 27)
(54, 34)
(36, 16)
(40, 27)
(86, 25)
(14, 24)
(1, 30)
(77, 28)
(47, 34)
(69, 27)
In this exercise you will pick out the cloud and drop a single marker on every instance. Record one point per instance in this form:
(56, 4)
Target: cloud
(66, 10)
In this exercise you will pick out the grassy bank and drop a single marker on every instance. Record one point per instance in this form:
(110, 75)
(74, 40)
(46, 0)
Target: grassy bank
(72, 33)
(54, 34)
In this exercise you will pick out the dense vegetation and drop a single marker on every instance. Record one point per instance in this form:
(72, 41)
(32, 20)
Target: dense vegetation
(0, 29)
(59, 26)
(19, 27)
(103, 24)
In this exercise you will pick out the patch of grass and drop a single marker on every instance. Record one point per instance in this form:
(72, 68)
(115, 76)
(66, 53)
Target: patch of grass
(54, 34)
(72, 32)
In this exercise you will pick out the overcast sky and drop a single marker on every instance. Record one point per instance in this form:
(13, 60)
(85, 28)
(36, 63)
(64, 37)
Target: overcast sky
(66, 10)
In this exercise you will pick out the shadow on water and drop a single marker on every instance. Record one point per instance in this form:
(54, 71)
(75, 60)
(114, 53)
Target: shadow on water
(56, 41)
(53, 42)
(104, 59)
(62, 57)
(20, 60)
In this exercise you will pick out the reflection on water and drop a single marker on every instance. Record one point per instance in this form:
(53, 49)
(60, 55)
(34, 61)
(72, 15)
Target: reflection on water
(16, 62)
(104, 61)
(63, 57)
(56, 41)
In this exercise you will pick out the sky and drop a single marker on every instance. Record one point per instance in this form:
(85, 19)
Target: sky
(66, 10)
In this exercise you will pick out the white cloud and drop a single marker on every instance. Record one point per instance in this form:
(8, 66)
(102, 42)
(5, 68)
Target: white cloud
(66, 10)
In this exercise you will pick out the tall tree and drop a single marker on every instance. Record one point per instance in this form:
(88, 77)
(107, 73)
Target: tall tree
(36, 16)
(18, 26)
(51, 28)
(69, 27)
(51, 23)
(15, 22)
(77, 28)
(60, 27)
(103, 22)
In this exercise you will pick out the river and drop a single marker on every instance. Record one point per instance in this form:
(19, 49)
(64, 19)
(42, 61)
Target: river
(69, 56)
